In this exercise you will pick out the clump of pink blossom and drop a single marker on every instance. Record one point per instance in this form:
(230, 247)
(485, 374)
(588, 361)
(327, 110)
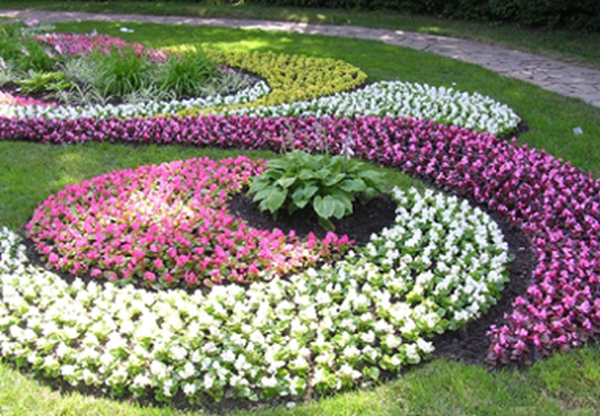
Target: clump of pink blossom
(168, 225)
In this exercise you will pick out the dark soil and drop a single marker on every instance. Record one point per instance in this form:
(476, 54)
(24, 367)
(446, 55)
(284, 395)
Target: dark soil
(365, 220)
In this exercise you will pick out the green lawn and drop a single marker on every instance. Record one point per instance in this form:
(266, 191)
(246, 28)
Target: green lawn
(563, 384)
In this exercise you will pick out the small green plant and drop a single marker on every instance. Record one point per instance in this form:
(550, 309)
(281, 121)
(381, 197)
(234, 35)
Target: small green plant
(186, 74)
(327, 184)
(39, 81)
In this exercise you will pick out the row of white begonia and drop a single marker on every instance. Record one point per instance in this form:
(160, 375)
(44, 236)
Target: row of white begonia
(440, 264)
(387, 98)
(402, 99)
(126, 110)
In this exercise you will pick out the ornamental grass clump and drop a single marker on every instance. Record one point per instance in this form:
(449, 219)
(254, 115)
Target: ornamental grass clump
(326, 185)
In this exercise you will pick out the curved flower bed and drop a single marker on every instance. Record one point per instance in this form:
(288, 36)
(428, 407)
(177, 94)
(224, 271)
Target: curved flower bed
(401, 99)
(326, 329)
(33, 109)
(555, 204)
(167, 226)
(71, 44)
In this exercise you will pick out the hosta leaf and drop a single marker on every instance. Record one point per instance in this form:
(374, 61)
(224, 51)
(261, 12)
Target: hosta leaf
(275, 199)
(280, 164)
(312, 162)
(272, 174)
(307, 175)
(334, 180)
(324, 207)
(335, 164)
(339, 209)
(345, 198)
(353, 185)
(372, 177)
(262, 194)
(325, 224)
(286, 182)
(257, 184)
(302, 196)
(310, 191)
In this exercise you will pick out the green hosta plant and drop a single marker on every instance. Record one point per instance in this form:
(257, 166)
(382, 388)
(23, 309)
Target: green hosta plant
(329, 185)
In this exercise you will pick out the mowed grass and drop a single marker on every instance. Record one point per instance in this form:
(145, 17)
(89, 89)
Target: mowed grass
(563, 384)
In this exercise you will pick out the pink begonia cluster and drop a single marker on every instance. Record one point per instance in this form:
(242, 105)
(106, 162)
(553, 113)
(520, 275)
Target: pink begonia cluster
(7, 98)
(168, 226)
(71, 44)
(557, 205)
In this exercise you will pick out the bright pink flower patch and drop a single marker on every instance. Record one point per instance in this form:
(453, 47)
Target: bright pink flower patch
(7, 98)
(72, 44)
(168, 225)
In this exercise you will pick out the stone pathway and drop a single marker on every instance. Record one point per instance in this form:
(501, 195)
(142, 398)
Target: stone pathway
(553, 75)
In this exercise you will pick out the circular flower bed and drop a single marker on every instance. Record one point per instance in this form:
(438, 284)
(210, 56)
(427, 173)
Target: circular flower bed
(167, 226)
(440, 264)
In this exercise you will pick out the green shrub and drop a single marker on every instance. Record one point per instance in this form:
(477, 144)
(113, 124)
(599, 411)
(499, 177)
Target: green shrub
(327, 185)
(39, 81)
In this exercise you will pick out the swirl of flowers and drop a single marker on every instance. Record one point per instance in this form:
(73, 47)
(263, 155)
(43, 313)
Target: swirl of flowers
(555, 204)
(168, 225)
(392, 99)
(401, 99)
(325, 329)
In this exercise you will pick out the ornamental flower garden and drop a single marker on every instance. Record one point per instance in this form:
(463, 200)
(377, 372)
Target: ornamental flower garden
(153, 288)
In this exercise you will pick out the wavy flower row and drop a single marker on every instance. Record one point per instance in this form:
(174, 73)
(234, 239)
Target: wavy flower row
(73, 44)
(36, 110)
(393, 99)
(321, 330)
(401, 99)
(166, 226)
(556, 205)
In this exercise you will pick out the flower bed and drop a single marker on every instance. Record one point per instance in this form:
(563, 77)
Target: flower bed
(401, 99)
(325, 329)
(556, 205)
(168, 225)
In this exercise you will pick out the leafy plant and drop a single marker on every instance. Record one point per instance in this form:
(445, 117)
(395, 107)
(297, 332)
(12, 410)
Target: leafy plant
(327, 185)
(186, 74)
(39, 81)
(124, 71)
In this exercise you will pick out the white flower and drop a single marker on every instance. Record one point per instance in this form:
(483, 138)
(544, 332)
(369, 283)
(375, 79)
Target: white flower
(228, 356)
(158, 369)
(268, 382)
(189, 389)
(209, 380)
(188, 371)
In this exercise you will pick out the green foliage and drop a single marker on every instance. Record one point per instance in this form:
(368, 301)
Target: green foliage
(575, 14)
(124, 71)
(22, 52)
(39, 81)
(327, 185)
(186, 74)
